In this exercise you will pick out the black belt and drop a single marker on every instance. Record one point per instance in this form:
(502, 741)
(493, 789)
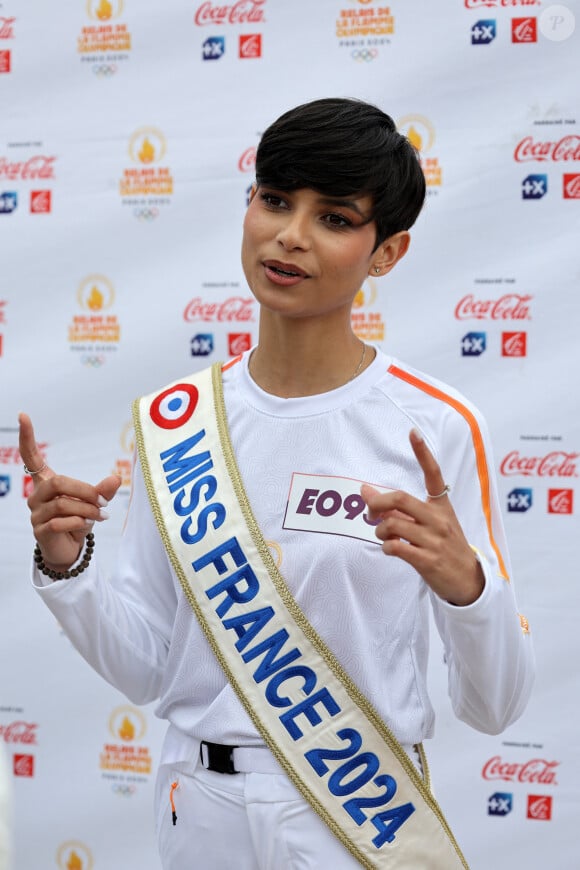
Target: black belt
(217, 757)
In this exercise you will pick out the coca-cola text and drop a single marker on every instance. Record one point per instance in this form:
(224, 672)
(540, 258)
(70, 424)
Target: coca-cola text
(537, 770)
(558, 463)
(510, 306)
(566, 148)
(242, 12)
(234, 309)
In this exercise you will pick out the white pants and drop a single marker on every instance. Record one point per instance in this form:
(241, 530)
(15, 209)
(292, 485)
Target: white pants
(246, 821)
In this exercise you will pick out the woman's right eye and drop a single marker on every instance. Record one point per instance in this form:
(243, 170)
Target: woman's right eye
(272, 200)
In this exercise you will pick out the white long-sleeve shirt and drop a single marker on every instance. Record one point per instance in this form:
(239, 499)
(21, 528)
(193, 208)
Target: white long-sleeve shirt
(302, 461)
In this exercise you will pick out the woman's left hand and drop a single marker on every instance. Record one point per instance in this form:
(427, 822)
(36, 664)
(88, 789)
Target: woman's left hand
(427, 534)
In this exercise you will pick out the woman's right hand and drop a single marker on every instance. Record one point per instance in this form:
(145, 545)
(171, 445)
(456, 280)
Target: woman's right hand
(62, 509)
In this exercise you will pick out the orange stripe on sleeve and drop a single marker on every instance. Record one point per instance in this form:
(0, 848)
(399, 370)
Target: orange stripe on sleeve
(481, 461)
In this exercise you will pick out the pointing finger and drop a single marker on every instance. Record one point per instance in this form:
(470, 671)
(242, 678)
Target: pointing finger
(32, 458)
(435, 486)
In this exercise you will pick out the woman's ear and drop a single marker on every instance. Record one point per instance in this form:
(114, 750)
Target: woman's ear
(389, 252)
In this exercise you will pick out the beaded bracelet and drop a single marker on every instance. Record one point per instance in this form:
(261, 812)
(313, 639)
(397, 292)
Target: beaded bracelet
(72, 572)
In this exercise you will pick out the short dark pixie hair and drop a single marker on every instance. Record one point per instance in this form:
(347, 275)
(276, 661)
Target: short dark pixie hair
(345, 147)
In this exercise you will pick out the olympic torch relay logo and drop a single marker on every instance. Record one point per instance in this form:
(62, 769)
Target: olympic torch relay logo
(364, 29)
(74, 855)
(95, 332)
(125, 759)
(421, 133)
(148, 185)
(366, 321)
(105, 42)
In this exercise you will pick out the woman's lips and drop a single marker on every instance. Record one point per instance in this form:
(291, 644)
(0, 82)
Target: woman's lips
(284, 274)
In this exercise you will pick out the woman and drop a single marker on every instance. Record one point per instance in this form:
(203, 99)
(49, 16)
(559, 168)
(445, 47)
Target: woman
(366, 483)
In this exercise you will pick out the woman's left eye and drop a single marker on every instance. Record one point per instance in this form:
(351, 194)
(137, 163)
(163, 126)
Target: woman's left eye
(336, 220)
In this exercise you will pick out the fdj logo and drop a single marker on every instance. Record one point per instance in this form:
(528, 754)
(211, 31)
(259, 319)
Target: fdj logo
(483, 32)
(534, 186)
(519, 501)
(214, 47)
(500, 804)
(473, 344)
(202, 344)
(4, 484)
(8, 202)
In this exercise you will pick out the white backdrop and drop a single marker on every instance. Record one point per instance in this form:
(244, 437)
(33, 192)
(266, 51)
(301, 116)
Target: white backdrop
(127, 137)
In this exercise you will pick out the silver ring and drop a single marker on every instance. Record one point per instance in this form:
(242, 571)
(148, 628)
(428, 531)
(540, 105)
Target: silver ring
(446, 489)
(32, 473)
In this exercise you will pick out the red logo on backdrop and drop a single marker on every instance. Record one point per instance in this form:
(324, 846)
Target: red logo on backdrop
(40, 201)
(540, 807)
(524, 30)
(5, 64)
(251, 45)
(554, 464)
(510, 306)
(239, 342)
(248, 160)
(242, 12)
(6, 27)
(23, 765)
(233, 309)
(491, 4)
(536, 770)
(560, 501)
(19, 732)
(566, 148)
(572, 185)
(36, 167)
(513, 343)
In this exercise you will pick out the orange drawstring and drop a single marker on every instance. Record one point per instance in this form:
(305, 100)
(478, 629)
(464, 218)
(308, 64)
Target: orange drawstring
(174, 785)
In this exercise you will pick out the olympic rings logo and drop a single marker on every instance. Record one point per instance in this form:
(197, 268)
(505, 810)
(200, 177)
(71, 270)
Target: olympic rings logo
(123, 789)
(103, 70)
(146, 214)
(95, 361)
(364, 54)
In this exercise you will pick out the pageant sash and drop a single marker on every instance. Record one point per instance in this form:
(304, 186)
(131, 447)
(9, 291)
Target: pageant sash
(320, 728)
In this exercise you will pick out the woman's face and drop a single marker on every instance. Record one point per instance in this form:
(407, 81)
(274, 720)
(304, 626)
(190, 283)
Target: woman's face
(305, 254)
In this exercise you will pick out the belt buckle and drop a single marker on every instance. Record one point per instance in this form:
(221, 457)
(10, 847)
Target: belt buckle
(218, 758)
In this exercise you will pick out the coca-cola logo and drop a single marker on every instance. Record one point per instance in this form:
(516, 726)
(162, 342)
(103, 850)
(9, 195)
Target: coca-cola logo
(510, 306)
(235, 308)
(566, 148)
(242, 12)
(558, 463)
(572, 185)
(36, 167)
(537, 770)
(492, 4)
(19, 732)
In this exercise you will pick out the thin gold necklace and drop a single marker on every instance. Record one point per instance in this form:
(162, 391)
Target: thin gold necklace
(352, 377)
(360, 365)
